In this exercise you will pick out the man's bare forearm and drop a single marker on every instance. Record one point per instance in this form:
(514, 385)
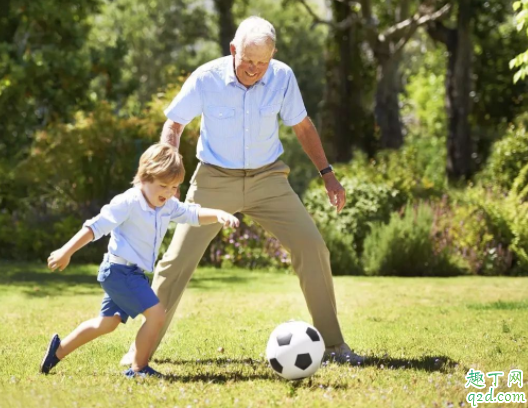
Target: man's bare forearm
(171, 133)
(311, 143)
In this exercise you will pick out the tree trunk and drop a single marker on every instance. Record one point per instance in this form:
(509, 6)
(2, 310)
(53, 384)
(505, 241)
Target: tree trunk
(458, 87)
(387, 108)
(226, 24)
(344, 116)
(458, 90)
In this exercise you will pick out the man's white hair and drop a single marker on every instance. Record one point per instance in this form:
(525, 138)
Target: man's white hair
(254, 30)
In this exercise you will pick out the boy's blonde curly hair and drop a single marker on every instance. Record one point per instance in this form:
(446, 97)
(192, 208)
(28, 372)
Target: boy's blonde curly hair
(160, 161)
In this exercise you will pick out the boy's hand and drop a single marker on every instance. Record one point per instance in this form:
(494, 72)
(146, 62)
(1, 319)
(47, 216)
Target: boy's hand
(227, 219)
(58, 259)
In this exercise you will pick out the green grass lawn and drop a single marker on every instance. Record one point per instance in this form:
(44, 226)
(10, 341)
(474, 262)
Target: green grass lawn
(421, 337)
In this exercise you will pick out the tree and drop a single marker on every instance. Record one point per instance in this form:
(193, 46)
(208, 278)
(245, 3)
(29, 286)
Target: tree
(520, 61)
(458, 85)
(352, 24)
(387, 47)
(346, 122)
(226, 23)
(139, 47)
(45, 69)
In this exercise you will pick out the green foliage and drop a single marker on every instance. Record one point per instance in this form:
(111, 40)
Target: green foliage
(248, 246)
(415, 171)
(503, 223)
(44, 68)
(302, 170)
(521, 61)
(508, 157)
(423, 109)
(73, 170)
(465, 230)
(497, 100)
(344, 233)
(139, 48)
(405, 246)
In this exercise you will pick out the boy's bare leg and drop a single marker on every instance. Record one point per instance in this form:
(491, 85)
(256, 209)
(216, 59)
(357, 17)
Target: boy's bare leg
(147, 336)
(86, 332)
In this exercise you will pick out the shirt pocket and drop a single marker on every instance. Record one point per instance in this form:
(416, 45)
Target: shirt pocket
(223, 116)
(268, 121)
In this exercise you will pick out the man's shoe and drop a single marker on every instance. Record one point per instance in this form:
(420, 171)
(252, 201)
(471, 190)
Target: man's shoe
(50, 359)
(342, 355)
(143, 373)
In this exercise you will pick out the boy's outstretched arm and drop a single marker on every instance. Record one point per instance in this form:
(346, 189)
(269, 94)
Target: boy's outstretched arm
(210, 216)
(61, 257)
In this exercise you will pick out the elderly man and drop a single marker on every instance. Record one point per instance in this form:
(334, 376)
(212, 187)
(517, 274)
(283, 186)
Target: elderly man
(239, 98)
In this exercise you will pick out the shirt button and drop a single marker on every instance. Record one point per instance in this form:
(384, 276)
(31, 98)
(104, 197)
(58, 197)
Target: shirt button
(247, 147)
(247, 111)
(247, 130)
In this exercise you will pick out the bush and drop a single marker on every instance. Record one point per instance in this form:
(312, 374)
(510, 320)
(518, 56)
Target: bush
(248, 246)
(463, 229)
(72, 170)
(405, 246)
(344, 233)
(488, 228)
(507, 218)
(509, 155)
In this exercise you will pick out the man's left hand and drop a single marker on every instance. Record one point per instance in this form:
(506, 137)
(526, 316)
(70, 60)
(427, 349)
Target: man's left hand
(335, 191)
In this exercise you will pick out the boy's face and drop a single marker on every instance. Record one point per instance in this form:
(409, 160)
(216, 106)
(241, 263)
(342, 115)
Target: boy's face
(158, 192)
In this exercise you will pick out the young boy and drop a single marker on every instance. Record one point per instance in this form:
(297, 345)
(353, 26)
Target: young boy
(137, 221)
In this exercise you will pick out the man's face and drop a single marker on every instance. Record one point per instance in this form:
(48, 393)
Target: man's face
(251, 62)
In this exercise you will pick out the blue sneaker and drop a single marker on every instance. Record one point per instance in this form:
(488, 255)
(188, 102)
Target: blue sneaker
(143, 373)
(50, 359)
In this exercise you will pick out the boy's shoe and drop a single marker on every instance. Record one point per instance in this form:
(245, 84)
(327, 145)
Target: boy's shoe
(342, 355)
(143, 373)
(50, 359)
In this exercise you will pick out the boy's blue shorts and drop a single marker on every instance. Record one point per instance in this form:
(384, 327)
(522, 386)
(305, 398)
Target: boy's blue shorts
(127, 290)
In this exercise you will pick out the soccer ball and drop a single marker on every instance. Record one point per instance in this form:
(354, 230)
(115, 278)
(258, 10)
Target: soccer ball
(295, 350)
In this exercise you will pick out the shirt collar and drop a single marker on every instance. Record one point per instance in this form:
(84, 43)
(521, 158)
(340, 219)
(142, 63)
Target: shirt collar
(142, 200)
(230, 77)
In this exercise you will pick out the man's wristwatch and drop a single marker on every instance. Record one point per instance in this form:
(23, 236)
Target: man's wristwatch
(326, 170)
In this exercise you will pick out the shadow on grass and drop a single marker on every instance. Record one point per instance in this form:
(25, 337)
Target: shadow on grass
(36, 281)
(441, 364)
(46, 283)
(500, 305)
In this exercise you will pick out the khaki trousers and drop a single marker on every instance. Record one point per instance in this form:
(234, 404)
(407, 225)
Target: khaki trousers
(266, 196)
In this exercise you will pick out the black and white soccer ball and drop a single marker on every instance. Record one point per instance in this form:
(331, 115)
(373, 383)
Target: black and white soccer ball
(295, 350)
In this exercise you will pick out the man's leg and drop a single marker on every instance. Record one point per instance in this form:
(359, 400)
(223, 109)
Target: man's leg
(272, 203)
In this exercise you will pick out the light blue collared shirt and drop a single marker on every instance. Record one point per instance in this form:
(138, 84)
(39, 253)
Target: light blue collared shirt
(239, 128)
(136, 229)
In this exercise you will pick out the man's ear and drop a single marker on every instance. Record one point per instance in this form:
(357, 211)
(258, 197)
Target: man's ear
(232, 48)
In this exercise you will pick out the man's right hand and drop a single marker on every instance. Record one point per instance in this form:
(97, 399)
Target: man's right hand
(171, 133)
